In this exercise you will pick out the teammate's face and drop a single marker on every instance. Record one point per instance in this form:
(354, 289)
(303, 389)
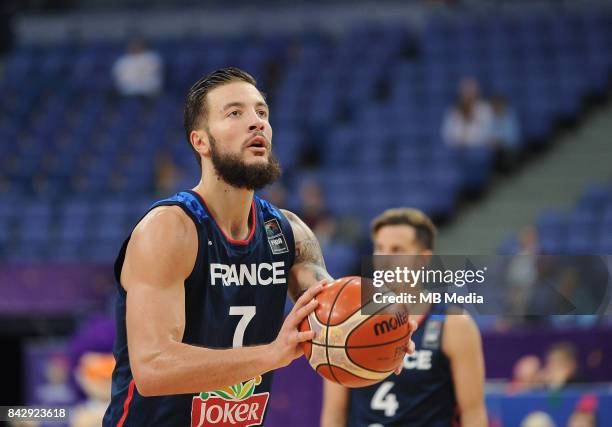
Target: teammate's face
(240, 136)
(397, 240)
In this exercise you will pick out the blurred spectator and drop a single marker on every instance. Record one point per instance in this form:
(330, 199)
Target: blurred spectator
(314, 212)
(468, 122)
(94, 375)
(93, 362)
(166, 175)
(522, 272)
(585, 413)
(582, 419)
(526, 374)
(56, 391)
(276, 194)
(295, 50)
(505, 134)
(538, 419)
(139, 71)
(529, 241)
(326, 231)
(312, 204)
(561, 366)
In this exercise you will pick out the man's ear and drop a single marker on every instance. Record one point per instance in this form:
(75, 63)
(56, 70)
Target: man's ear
(200, 142)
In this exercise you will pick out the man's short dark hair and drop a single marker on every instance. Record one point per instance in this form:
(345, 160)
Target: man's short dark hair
(196, 108)
(424, 228)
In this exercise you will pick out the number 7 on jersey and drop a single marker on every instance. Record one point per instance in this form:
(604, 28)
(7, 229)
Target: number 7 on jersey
(247, 312)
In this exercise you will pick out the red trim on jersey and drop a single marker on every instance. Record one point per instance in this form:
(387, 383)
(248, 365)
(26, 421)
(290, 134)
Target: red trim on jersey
(228, 238)
(126, 404)
(457, 417)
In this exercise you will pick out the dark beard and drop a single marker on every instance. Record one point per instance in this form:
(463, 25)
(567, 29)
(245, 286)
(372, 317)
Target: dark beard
(231, 169)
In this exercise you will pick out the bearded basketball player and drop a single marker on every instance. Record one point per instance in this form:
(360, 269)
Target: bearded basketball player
(203, 277)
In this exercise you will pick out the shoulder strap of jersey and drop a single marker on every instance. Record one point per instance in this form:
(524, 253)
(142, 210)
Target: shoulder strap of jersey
(190, 203)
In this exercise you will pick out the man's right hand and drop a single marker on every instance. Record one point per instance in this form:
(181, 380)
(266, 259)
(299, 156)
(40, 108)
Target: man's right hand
(286, 347)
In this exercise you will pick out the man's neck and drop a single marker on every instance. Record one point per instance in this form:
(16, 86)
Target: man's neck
(229, 206)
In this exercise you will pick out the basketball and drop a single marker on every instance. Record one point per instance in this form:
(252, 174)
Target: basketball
(351, 348)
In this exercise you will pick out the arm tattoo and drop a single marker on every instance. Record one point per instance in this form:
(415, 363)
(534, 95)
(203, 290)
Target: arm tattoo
(307, 248)
(308, 254)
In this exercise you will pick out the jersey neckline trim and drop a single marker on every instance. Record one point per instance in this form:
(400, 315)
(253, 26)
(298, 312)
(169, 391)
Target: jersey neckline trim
(228, 238)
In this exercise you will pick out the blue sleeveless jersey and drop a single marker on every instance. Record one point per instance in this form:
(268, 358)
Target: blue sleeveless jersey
(422, 395)
(234, 296)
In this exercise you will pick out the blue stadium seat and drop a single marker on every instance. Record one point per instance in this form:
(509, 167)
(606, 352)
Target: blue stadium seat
(594, 198)
(340, 259)
(355, 98)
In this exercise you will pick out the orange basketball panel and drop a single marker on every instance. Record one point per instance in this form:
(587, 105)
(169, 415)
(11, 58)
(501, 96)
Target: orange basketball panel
(348, 301)
(381, 328)
(326, 299)
(307, 345)
(382, 358)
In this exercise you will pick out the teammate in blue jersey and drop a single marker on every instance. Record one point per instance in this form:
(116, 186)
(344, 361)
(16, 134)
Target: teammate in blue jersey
(203, 277)
(442, 383)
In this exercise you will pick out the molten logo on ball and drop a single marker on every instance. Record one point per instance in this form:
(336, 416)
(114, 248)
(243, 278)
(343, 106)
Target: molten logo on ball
(390, 324)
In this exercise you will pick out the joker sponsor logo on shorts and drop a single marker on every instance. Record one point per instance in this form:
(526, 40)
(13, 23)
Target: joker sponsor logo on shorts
(235, 406)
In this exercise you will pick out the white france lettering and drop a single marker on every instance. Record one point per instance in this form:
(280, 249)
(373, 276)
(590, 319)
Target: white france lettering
(217, 271)
(252, 274)
(278, 272)
(261, 279)
(419, 360)
(233, 276)
(424, 361)
(410, 361)
(249, 273)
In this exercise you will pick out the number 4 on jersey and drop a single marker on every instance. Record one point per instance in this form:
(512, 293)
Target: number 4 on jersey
(385, 401)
